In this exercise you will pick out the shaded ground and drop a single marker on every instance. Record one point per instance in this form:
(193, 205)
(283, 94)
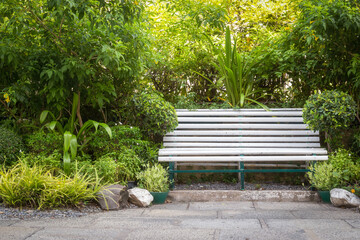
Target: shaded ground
(237, 186)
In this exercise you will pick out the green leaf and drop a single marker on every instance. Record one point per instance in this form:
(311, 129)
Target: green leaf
(66, 161)
(107, 129)
(43, 115)
(73, 146)
(67, 139)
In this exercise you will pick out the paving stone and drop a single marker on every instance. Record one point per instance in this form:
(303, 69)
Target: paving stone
(316, 214)
(16, 233)
(136, 223)
(307, 224)
(289, 205)
(221, 205)
(172, 206)
(179, 213)
(246, 214)
(337, 234)
(80, 234)
(354, 222)
(136, 212)
(5, 223)
(78, 222)
(268, 234)
(228, 224)
(172, 234)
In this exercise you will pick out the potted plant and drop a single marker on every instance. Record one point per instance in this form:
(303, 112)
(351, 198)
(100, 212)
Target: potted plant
(321, 177)
(156, 180)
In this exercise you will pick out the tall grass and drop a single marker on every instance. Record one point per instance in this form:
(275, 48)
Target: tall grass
(36, 187)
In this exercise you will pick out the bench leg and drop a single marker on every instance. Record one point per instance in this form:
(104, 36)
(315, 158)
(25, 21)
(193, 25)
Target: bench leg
(171, 175)
(242, 180)
(312, 172)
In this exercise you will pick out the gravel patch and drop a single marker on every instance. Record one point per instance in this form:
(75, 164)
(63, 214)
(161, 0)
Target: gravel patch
(29, 213)
(237, 186)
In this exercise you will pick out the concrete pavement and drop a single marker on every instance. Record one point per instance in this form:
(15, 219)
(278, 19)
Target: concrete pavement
(198, 220)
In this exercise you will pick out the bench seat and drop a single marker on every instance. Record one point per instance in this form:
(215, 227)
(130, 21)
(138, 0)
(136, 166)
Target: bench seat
(241, 136)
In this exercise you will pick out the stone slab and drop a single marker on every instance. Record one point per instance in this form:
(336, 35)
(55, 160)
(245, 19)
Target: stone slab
(172, 206)
(224, 224)
(307, 224)
(80, 234)
(315, 214)
(45, 223)
(337, 234)
(5, 223)
(263, 214)
(179, 213)
(136, 223)
(355, 223)
(268, 234)
(289, 206)
(221, 205)
(16, 233)
(237, 195)
(173, 234)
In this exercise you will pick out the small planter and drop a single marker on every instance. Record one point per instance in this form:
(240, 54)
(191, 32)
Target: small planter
(325, 196)
(159, 197)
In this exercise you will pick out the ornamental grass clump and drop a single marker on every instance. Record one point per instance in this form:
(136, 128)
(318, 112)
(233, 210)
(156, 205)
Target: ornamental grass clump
(154, 179)
(36, 187)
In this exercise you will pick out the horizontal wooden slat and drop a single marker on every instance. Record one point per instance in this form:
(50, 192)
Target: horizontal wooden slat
(242, 133)
(241, 139)
(243, 109)
(240, 145)
(240, 119)
(240, 113)
(241, 158)
(241, 126)
(236, 164)
(244, 151)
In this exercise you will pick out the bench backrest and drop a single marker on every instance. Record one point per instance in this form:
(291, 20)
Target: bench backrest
(242, 135)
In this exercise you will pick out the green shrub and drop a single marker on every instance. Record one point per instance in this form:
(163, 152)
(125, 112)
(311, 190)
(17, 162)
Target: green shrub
(340, 170)
(107, 169)
(36, 187)
(154, 179)
(123, 136)
(10, 146)
(50, 162)
(153, 115)
(329, 110)
(45, 143)
(129, 164)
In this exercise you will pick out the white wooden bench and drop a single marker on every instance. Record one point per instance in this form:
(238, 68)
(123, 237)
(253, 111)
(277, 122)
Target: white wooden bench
(227, 137)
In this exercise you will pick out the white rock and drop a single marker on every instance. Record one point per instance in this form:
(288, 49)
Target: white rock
(342, 198)
(140, 197)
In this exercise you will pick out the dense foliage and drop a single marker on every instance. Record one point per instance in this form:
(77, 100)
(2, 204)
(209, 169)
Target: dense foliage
(153, 115)
(329, 110)
(11, 146)
(50, 49)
